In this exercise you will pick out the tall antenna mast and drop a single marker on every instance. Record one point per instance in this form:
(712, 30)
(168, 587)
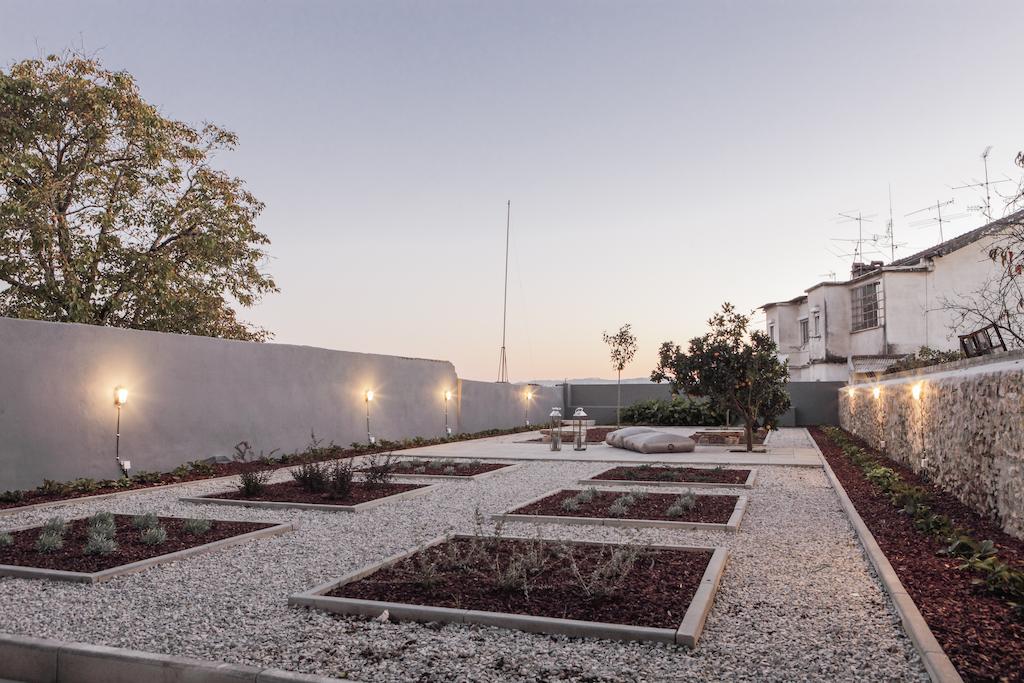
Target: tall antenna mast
(858, 252)
(503, 363)
(889, 230)
(986, 208)
(988, 195)
(939, 218)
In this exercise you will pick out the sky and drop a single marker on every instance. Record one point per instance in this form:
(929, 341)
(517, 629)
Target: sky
(661, 157)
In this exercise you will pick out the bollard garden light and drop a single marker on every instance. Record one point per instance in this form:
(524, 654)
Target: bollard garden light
(527, 397)
(556, 429)
(120, 399)
(369, 437)
(447, 398)
(579, 425)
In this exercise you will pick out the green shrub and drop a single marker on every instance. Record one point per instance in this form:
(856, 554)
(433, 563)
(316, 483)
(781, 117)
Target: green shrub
(311, 476)
(153, 535)
(6, 539)
(678, 411)
(571, 504)
(55, 525)
(97, 543)
(147, 520)
(339, 479)
(197, 527)
(254, 478)
(49, 542)
(12, 496)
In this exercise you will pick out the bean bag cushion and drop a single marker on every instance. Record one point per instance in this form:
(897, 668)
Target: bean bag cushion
(615, 438)
(659, 442)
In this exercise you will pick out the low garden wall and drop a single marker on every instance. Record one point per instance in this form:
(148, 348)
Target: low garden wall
(963, 425)
(195, 397)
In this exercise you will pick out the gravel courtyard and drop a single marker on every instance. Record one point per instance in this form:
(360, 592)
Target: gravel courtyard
(797, 600)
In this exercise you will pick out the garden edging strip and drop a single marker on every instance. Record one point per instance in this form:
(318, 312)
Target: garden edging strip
(509, 467)
(938, 665)
(687, 633)
(42, 660)
(23, 572)
(326, 507)
(748, 484)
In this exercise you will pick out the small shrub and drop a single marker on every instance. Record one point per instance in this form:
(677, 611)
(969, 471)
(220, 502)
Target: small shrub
(49, 542)
(101, 518)
(55, 525)
(339, 480)
(147, 520)
(675, 510)
(97, 543)
(475, 462)
(618, 509)
(103, 528)
(311, 476)
(586, 495)
(420, 470)
(196, 527)
(6, 539)
(686, 500)
(253, 479)
(463, 465)
(571, 504)
(450, 471)
(378, 470)
(12, 496)
(155, 535)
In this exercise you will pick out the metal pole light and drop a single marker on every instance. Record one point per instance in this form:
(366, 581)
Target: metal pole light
(447, 398)
(120, 399)
(556, 428)
(369, 397)
(526, 410)
(579, 423)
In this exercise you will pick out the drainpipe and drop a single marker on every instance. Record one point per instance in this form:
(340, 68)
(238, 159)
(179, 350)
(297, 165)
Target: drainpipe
(885, 319)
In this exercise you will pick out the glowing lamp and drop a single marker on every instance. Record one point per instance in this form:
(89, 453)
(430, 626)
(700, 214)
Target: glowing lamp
(120, 396)
(915, 391)
(369, 394)
(877, 392)
(447, 395)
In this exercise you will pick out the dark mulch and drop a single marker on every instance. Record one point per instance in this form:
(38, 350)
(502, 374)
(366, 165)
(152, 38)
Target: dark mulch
(714, 509)
(462, 468)
(674, 474)
(656, 593)
(130, 549)
(291, 492)
(976, 629)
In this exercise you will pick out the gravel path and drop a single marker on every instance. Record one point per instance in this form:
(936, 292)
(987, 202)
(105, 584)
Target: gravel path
(797, 601)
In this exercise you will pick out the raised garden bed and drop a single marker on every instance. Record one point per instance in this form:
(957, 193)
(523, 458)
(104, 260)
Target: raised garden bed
(448, 468)
(977, 629)
(289, 494)
(657, 475)
(131, 549)
(652, 593)
(198, 470)
(631, 508)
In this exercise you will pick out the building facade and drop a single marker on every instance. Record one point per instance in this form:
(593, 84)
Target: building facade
(884, 312)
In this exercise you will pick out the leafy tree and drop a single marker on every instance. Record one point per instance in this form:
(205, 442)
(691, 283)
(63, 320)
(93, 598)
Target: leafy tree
(622, 346)
(738, 370)
(111, 214)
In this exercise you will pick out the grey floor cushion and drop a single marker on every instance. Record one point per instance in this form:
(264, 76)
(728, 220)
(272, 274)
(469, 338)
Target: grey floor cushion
(615, 438)
(659, 442)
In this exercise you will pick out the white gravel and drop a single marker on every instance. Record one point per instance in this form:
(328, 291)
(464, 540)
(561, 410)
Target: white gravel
(797, 601)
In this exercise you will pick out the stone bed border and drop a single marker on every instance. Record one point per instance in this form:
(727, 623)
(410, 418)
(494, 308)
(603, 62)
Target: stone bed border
(687, 633)
(505, 467)
(324, 507)
(748, 484)
(23, 572)
(44, 660)
(938, 665)
(732, 525)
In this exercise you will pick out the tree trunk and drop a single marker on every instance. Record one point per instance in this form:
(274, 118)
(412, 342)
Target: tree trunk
(749, 431)
(618, 400)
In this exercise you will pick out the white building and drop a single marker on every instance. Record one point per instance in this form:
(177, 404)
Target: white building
(883, 312)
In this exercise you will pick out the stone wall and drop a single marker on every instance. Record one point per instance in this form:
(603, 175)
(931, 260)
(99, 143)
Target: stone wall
(965, 429)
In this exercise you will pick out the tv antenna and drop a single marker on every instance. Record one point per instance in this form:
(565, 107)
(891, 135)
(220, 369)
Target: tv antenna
(937, 218)
(831, 275)
(503, 362)
(986, 208)
(861, 219)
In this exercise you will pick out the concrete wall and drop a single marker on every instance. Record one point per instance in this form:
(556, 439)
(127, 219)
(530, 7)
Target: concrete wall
(486, 405)
(965, 431)
(195, 397)
(598, 400)
(813, 403)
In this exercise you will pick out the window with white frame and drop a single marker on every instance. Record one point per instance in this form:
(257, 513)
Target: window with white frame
(865, 306)
(771, 331)
(804, 331)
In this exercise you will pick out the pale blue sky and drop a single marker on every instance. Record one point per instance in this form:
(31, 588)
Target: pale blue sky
(660, 157)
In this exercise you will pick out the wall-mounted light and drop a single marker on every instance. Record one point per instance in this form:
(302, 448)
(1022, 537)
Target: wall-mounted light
(447, 398)
(369, 397)
(877, 392)
(120, 400)
(915, 391)
(851, 392)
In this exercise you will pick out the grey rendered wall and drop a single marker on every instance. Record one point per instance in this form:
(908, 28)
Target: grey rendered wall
(487, 405)
(813, 403)
(598, 400)
(195, 397)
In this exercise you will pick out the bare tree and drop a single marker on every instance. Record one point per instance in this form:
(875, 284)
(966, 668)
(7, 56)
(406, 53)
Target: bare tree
(622, 345)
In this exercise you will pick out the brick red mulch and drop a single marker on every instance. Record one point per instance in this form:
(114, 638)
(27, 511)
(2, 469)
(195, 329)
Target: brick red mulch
(291, 492)
(656, 593)
(465, 470)
(713, 509)
(977, 630)
(674, 474)
(130, 548)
